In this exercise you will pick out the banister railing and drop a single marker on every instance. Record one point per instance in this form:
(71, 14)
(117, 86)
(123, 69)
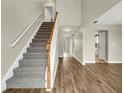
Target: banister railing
(48, 48)
(53, 27)
(18, 38)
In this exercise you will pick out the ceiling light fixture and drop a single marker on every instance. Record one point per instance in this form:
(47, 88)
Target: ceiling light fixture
(67, 29)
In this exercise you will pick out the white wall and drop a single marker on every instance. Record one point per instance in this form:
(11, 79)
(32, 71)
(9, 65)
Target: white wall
(69, 12)
(16, 15)
(88, 45)
(91, 10)
(77, 45)
(114, 43)
(61, 43)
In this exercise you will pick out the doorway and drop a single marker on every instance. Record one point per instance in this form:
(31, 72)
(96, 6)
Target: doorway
(67, 45)
(48, 13)
(101, 46)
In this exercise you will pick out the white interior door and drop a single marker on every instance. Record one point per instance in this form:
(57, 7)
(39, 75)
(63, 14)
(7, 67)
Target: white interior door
(48, 13)
(102, 49)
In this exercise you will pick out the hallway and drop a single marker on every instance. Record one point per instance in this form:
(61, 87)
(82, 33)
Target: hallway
(72, 77)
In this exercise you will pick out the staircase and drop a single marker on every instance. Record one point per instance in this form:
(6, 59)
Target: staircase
(32, 68)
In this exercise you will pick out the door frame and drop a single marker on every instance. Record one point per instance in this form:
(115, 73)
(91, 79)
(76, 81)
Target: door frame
(45, 9)
(106, 44)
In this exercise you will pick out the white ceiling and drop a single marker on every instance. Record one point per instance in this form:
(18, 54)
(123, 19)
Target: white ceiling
(113, 16)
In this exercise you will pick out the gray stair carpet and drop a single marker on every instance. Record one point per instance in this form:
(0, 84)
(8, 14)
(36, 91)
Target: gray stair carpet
(31, 70)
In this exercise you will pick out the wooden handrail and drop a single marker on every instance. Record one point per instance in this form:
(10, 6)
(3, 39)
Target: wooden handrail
(25, 31)
(48, 48)
(50, 38)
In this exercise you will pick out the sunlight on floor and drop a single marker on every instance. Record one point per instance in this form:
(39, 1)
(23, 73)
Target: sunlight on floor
(66, 55)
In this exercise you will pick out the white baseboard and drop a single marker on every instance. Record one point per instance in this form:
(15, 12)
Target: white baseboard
(106, 62)
(114, 62)
(9, 74)
(90, 61)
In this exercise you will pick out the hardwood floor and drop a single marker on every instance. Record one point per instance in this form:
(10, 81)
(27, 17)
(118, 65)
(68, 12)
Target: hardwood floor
(72, 77)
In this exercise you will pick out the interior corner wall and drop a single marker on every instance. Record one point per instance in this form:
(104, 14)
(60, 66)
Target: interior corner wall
(77, 45)
(114, 43)
(91, 10)
(16, 15)
(88, 45)
(61, 44)
(69, 12)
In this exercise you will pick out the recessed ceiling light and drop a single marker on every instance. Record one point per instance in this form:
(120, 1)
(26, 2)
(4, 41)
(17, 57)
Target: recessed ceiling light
(67, 29)
(95, 22)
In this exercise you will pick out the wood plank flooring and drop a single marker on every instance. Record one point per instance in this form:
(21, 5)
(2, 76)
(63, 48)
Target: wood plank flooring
(72, 77)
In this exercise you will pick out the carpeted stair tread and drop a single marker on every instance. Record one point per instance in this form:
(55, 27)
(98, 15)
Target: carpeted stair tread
(38, 44)
(33, 60)
(32, 63)
(46, 27)
(41, 37)
(30, 68)
(26, 73)
(34, 55)
(42, 33)
(38, 41)
(26, 83)
(37, 49)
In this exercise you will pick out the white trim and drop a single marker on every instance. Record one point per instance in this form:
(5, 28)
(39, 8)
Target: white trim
(83, 63)
(48, 89)
(25, 30)
(90, 61)
(114, 62)
(109, 62)
(9, 74)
